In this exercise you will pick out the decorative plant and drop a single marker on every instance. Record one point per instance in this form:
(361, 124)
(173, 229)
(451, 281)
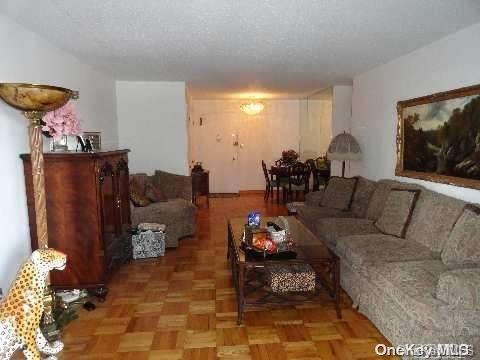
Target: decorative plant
(63, 121)
(289, 156)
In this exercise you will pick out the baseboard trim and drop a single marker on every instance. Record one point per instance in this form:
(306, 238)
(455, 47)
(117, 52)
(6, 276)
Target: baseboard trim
(223, 195)
(251, 192)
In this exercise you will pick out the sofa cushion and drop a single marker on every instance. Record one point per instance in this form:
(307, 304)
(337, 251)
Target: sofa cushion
(309, 215)
(460, 288)
(339, 192)
(361, 249)
(412, 286)
(433, 219)
(463, 246)
(363, 192)
(377, 201)
(314, 198)
(397, 212)
(379, 196)
(332, 229)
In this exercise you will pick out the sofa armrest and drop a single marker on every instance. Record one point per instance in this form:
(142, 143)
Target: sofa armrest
(173, 185)
(460, 288)
(314, 198)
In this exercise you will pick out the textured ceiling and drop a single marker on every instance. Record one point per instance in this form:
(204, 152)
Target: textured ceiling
(225, 48)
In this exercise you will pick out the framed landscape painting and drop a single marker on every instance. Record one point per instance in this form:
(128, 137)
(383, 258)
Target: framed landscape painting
(438, 137)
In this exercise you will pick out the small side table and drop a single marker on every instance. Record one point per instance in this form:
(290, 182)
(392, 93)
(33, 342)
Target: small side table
(200, 185)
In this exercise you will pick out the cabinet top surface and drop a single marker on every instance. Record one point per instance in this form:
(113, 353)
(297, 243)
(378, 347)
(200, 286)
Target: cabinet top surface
(80, 154)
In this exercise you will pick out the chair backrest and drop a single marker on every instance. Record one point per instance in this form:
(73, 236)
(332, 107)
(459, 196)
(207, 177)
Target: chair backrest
(265, 171)
(299, 173)
(311, 164)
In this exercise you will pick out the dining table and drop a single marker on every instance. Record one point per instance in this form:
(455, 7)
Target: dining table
(280, 177)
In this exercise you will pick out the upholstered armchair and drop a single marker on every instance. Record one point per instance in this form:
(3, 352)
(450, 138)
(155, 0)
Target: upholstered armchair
(164, 198)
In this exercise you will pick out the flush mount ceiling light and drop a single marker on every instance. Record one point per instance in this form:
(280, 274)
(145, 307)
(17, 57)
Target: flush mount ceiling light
(252, 108)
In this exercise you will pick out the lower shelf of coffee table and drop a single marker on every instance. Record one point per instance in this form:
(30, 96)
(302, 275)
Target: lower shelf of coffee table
(255, 293)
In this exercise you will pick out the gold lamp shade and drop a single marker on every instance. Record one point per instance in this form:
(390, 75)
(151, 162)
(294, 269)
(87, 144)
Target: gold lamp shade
(33, 97)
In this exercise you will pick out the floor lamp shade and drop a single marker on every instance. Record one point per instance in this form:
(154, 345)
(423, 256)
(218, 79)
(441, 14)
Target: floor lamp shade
(344, 147)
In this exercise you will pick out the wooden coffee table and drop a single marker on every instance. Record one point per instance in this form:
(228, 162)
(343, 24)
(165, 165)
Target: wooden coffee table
(247, 270)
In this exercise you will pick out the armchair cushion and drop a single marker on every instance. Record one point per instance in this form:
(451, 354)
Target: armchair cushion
(460, 288)
(339, 192)
(173, 185)
(137, 193)
(154, 193)
(463, 248)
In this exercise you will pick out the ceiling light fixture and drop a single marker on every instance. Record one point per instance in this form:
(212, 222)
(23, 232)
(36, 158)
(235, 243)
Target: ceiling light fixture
(252, 108)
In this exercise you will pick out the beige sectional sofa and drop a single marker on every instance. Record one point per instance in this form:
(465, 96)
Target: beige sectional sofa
(422, 288)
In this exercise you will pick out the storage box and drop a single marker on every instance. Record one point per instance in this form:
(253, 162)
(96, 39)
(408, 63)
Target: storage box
(148, 244)
(283, 278)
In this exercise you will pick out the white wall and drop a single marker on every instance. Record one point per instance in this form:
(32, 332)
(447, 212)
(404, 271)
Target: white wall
(316, 124)
(152, 123)
(341, 114)
(28, 58)
(263, 136)
(447, 64)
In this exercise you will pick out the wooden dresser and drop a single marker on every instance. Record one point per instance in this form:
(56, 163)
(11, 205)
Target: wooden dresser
(88, 214)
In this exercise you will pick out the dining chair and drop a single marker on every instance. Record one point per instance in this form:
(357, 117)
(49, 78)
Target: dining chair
(268, 182)
(298, 180)
(320, 175)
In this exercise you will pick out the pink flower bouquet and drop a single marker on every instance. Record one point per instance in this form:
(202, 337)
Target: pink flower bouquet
(63, 121)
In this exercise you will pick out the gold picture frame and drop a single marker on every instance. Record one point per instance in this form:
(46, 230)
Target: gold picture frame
(438, 137)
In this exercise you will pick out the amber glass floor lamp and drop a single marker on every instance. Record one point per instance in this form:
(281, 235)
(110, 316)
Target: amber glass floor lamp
(34, 101)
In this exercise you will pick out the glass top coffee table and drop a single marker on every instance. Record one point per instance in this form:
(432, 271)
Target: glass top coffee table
(249, 270)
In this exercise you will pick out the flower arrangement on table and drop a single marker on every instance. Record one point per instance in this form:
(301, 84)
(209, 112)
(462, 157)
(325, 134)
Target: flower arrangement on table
(289, 157)
(61, 122)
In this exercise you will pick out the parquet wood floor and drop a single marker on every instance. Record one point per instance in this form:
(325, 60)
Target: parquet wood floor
(183, 307)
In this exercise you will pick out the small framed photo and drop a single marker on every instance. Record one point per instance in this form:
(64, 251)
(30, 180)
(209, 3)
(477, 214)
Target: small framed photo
(95, 139)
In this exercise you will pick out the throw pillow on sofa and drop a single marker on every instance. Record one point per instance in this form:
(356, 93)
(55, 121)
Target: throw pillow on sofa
(339, 193)
(397, 212)
(462, 248)
(154, 193)
(137, 195)
(361, 198)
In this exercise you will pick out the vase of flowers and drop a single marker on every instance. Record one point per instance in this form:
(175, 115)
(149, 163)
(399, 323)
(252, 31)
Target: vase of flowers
(61, 123)
(289, 157)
